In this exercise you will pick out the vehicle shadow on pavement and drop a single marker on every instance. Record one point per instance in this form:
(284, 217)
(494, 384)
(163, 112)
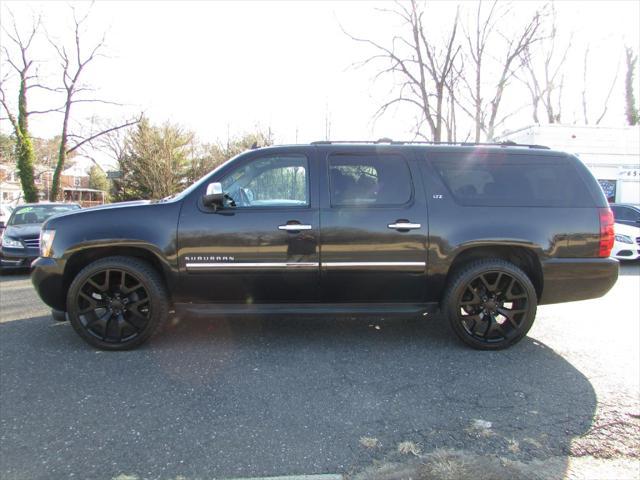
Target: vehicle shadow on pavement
(247, 396)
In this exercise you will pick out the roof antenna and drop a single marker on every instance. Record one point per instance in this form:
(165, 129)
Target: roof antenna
(384, 140)
(254, 146)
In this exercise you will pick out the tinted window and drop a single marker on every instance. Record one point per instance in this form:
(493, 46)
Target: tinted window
(513, 180)
(38, 213)
(274, 181)
(369, 180)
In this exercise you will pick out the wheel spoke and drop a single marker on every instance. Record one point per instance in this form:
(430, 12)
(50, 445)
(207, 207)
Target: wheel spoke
(509, 295)
(510, 315)
(98, 287)
(490, 322)
(475, 318)
(487, 285)
(137, 325)
(92, 301)
(128, 290)
(498, 327)
(497, 282)
(102, 322)
(475, 300)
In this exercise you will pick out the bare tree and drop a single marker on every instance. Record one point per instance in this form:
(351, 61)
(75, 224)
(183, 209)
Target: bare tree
(490, 50)
(424, 65)
(73, 62)
(585, 78)
(631, 110)
(22, 64)
(544, 71)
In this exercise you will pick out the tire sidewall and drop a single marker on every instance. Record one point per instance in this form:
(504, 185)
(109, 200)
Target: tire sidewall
(458, 287)
(144, 273)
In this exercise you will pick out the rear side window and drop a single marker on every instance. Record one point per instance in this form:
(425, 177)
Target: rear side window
(512, 180)
(369, 180)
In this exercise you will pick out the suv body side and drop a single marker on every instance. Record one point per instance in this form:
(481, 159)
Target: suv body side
(556, 246)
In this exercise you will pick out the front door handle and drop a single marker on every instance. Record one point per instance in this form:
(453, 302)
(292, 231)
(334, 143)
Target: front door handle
(294, 227)
(403, 225)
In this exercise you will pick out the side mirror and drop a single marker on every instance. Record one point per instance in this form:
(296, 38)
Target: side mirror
(214, 196)
(2, 225)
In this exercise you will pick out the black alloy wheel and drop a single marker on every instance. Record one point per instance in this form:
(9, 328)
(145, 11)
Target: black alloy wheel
(117, 303)
(491, 304)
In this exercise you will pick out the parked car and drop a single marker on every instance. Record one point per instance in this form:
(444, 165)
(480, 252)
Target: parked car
(485, 233)
(626, 213)
(627, 242)
(20, 243)
(5, 213)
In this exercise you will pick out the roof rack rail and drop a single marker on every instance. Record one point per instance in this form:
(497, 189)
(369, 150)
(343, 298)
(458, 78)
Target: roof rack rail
(506, 143)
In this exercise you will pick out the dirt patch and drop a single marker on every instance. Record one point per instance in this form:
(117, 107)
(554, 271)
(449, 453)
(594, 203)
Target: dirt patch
(457, 465)
(613, 435)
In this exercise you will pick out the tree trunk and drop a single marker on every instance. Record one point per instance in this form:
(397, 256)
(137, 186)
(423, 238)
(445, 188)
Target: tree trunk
(24, 147)
(631, 111)
(62, 156)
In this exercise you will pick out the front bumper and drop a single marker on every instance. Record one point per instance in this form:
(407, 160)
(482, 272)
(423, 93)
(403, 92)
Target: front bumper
(571, 279)
(625, 251)
(17, 257)
(47, 278)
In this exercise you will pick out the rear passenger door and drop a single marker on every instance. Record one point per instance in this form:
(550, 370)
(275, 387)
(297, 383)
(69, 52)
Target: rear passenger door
(373, 227)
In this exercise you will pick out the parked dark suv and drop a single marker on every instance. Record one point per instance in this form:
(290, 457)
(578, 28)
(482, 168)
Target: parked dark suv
(484, 233)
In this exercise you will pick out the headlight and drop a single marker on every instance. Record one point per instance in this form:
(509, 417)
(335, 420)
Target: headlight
(46, 242)
(11, 242)
(623, 238)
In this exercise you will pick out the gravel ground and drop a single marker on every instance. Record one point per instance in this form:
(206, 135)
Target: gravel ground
(229, 397)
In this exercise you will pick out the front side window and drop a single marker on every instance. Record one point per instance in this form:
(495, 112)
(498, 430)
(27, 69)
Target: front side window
(369, 180)
(274, 181)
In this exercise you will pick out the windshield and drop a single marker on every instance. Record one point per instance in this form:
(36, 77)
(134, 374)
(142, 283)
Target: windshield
(35, 214)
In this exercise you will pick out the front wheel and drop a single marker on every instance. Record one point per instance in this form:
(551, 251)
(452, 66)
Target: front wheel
(117, 303)
(491, 304)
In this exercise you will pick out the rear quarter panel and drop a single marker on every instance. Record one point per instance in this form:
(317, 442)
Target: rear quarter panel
(549, 232)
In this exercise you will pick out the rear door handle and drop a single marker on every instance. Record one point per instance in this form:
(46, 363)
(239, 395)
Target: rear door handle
(402, 225)
(294, 227)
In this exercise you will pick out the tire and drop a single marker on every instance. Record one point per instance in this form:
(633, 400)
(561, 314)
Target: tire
(59, 315)
(117, 303)
(490, 304)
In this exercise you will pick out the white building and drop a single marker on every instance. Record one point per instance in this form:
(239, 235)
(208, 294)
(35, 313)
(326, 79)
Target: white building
(611, 153)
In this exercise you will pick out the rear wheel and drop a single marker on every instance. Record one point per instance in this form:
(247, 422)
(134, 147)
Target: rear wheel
(491, 304)
(117, 303)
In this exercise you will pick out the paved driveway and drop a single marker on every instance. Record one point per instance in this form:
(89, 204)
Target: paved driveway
(267, 396)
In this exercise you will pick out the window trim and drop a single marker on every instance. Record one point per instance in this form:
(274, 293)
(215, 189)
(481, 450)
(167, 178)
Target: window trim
(406, 204)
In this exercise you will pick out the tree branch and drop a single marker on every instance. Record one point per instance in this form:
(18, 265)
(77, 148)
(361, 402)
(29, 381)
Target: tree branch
(104, 132)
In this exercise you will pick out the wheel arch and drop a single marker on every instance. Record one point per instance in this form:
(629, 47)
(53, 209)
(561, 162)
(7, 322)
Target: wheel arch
(80, 259)
(524, 258)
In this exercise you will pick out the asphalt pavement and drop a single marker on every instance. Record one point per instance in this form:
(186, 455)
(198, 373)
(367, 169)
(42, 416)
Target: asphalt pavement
(228, 397)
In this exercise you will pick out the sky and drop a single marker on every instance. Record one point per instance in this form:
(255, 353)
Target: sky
(219, 67)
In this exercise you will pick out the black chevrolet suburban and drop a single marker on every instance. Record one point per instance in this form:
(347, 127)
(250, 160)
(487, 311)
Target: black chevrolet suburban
(483, 233)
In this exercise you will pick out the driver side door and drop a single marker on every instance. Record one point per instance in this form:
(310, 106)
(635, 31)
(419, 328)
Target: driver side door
(262, 246)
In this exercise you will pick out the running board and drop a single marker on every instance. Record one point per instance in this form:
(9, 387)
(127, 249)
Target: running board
(214, 309)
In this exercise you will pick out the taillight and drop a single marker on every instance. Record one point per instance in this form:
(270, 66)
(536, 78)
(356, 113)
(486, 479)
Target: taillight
(606, 232)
